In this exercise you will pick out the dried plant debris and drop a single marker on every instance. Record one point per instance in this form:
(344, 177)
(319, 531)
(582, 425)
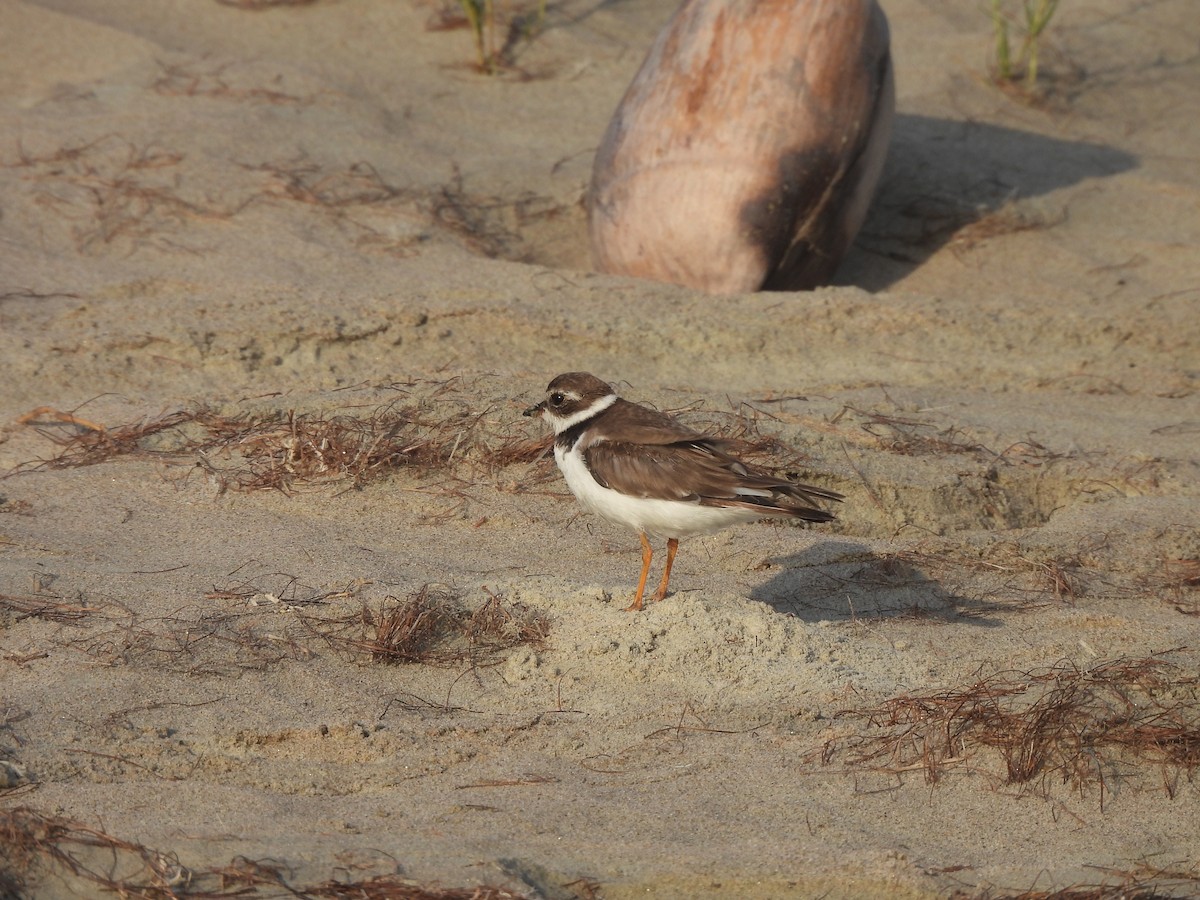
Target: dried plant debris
(1180, 583)
(435, 428)
(521, 452)
(91, 443)
(34, 846)
(47, 608)
(489, 226)
(1012, 217)
(305, 181)
(286, 450)
(266, 627)
(1063, 723)
(211, 80)
(742, 429)
(1066, 577)
(910, 436)
(196, 641)
(113, 191)
(193, 640)
(1144, 882)
(435, 626)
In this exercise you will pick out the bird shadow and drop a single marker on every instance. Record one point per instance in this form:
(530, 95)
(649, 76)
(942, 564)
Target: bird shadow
(945, 176)
(837, 581)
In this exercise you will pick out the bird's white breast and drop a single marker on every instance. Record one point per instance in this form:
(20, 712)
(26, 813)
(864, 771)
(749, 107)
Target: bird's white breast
(657, 518)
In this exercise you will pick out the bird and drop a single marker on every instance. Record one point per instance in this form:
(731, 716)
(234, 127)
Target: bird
(643, 469)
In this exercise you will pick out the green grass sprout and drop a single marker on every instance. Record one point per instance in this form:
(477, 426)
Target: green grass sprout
(1033, 19)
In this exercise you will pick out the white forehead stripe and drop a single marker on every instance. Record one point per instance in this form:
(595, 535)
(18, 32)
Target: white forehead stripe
(561, 425)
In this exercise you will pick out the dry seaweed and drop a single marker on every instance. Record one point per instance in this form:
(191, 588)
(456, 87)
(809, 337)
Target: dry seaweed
(359, 184)
(1144, 882)
(113, 190)
(34, 845)
(276, 450)
(438, 431)
(1062, 723)
(210, 643)
(486, 225)
(50, 609)
(207, 80)
(433, 626)
(1179, 582)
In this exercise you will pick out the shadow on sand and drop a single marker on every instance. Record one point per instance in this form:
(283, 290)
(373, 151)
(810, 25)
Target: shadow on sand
(943, 175)
(837, 581)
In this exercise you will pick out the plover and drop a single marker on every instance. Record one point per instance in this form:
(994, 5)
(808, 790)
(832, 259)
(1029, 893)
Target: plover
(641, 468)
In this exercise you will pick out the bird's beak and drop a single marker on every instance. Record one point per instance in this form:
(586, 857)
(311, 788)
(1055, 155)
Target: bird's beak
(535, 410)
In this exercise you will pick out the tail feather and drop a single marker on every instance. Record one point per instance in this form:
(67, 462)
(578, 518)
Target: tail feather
(780, 498)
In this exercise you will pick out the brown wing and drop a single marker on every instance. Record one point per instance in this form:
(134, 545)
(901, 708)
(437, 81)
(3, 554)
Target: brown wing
(640, 425)
(699, 470)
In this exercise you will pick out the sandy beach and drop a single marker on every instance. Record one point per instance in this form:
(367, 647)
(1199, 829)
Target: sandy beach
(292, 602)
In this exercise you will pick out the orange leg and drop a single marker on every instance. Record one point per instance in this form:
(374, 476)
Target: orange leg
(672, 547)
(647, 555)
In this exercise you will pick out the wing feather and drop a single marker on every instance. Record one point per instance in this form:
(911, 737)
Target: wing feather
(697, 469)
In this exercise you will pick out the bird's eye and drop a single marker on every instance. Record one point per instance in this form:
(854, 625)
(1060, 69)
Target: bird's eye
(557, 398)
